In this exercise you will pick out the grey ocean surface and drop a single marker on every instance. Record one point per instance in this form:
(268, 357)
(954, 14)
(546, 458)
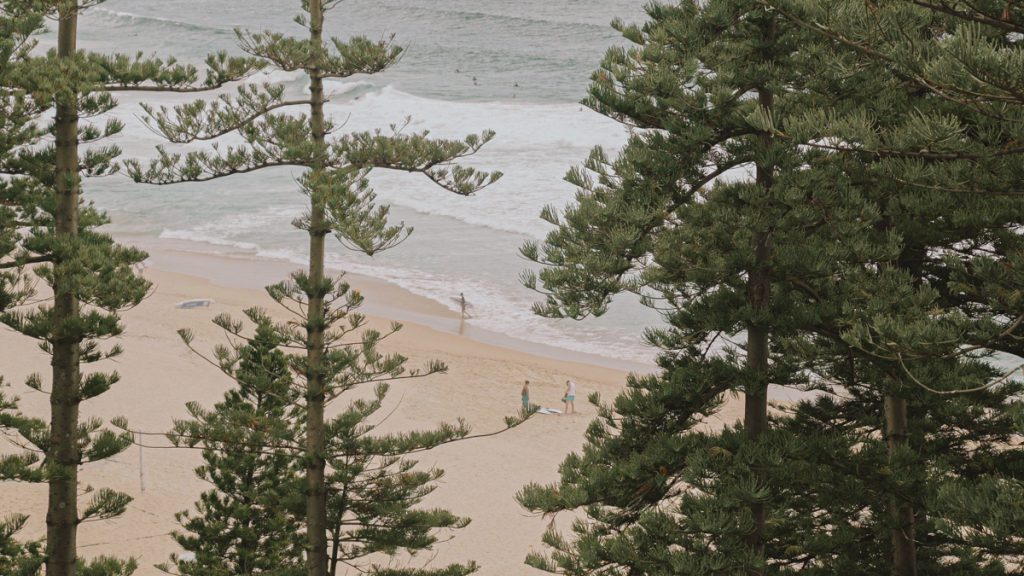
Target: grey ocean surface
(519, 68)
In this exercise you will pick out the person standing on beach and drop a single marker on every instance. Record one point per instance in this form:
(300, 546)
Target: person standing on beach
(526, 395)
(463, 310)
(569, 398)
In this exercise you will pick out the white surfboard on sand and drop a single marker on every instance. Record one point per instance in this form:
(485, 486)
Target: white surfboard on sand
(196, 303)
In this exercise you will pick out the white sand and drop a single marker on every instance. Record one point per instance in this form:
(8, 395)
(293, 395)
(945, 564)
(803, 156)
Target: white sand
(159, 375)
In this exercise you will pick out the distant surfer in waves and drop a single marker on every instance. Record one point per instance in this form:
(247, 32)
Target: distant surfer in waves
(464, 308)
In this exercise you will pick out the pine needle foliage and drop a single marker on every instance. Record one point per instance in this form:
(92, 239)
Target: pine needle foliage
(361, 488)
(373, 487)
(18, 558)
(723, 225)
(49, 234)
(245, 524)
(926, 105)
(890, 285)
(17, 26)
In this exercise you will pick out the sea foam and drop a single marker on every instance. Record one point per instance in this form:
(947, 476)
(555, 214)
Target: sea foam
(462, 244)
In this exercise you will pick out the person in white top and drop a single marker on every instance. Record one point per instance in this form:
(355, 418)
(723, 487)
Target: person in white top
(569, 398)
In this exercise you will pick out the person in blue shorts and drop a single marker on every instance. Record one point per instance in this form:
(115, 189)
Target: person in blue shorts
(526, 395)
(569, 398)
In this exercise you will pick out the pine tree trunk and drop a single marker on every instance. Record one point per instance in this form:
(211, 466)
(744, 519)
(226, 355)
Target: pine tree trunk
(316, 434)
(335, 549)
(901, 514)
(755, 416)
(336, 531)
(904, 550)
(249, 540)
(63, 455)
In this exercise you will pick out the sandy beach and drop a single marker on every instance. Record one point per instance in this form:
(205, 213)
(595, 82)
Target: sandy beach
(159, 375)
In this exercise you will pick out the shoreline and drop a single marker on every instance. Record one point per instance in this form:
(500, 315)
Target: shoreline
(383, 298)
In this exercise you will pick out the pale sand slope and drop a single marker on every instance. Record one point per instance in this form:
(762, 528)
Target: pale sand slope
(160, 375)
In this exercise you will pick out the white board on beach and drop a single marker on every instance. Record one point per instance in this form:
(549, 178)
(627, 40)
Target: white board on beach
(196, 303)
(548, 411)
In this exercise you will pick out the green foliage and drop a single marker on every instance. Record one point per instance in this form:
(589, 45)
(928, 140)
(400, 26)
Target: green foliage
(453, 570)
(257, 433)
(724, 227)
(17, 129)
(373, 489)
(959, 464)
(935, 132)
(894, 264)
(245, 524)
(49, 105)
(361, 488)
(17, 559)
(107, 566)
(283, 140)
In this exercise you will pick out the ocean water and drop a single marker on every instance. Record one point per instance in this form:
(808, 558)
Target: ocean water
(519, 68)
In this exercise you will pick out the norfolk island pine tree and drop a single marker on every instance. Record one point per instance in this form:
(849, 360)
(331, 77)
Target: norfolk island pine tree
(719, 258)
(372, 486)
(17, 112)
(941, 157)
(246, 523)
(816, 545)
(993, 430)
(341, 203)
(91, 278)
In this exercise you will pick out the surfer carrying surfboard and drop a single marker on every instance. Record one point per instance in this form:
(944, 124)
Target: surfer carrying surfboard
(464, 308)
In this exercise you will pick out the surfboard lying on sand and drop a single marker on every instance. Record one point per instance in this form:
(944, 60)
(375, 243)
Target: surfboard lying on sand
(196, 303)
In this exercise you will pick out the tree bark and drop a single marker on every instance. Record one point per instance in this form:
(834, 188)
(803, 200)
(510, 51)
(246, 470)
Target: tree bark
(63, 455)
(755, 410)
(901, 513)
(316, 434)
(904, 549)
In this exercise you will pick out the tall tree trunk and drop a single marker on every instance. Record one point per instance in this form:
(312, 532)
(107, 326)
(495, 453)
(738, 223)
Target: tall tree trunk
(316, 434)
(755, 411)
(901, 513)
(338, 529)
(64, 456)
(904, 549)
(335, 550)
